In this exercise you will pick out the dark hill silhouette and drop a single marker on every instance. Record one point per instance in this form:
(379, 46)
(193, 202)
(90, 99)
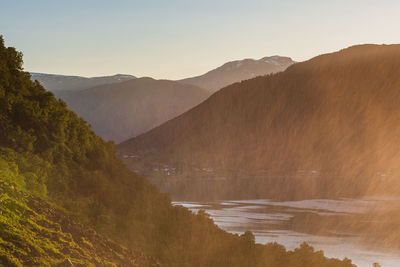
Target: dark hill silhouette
(123, 110)
(335, 114)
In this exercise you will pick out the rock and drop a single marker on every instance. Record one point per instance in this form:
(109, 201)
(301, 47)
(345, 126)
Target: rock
(66, 263)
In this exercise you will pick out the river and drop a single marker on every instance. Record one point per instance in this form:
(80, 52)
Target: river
(272, 221)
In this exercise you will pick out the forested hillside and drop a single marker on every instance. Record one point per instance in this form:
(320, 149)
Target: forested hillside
(53, 165)
(329, 126)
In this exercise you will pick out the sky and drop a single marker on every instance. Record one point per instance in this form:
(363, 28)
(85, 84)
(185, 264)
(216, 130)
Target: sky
(174, 39)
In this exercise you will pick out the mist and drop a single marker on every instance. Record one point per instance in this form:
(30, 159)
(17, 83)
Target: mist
(324, 130)
(200, 133)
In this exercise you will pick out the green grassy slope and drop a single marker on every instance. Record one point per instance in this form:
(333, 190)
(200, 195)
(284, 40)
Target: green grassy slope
(35, 233)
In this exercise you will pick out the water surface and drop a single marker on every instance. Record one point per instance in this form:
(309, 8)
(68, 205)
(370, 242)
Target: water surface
(270, 221)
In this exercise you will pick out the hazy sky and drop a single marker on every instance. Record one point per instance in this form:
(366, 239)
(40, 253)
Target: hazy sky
(181, 38)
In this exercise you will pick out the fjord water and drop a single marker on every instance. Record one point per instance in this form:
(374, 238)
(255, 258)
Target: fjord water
(269, 222)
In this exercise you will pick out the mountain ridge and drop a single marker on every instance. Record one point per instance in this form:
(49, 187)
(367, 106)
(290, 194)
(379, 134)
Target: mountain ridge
(238, 70)
(58, 82)
(122, 110)
(313, 116)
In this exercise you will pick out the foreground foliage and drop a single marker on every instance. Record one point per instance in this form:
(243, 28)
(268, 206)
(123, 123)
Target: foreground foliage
(33, 233)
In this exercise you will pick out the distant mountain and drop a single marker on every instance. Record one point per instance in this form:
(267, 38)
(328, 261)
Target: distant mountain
(123, 110)
(329, 126)
(56, 83)
(239, 70)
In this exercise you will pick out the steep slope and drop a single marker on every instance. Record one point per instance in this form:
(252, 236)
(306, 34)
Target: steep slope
(35, 233)
(50, 158)
(236, 71)
(56, 83)
(329, 126)
(124, 110)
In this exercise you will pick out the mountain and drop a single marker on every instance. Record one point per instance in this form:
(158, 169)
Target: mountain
(121, 106)
(326, 127)
(67, 200)
(122, 110)
(55, 83)
(236, 71)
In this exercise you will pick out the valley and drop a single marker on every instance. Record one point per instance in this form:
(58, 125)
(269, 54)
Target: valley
(199, 133)
(67, 200)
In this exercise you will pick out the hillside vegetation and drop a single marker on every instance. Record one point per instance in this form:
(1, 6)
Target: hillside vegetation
(329, 126)
(34, 233)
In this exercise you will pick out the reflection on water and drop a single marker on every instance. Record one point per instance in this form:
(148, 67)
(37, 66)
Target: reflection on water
(270, 222)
